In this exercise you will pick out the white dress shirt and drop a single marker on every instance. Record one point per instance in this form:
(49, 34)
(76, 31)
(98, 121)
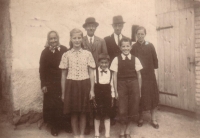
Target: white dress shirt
(104, 78)
(116, 38)
(114, 64)
(90, 38)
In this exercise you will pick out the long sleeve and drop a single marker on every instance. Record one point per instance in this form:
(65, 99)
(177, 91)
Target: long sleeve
(42, 69)
(154, 55)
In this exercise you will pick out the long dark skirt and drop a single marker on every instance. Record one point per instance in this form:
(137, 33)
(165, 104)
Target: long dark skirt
(53, 107)
(77, 96)
(149, 93)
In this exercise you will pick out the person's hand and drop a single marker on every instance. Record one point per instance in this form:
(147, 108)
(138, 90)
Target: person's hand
(44, 89)
(92, 95)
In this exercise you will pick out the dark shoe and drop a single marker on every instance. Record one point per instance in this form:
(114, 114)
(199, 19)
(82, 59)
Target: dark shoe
(140, 123)
(87, 131)
(54, 131)
(127, 136)
(156, 126)
(121, 136)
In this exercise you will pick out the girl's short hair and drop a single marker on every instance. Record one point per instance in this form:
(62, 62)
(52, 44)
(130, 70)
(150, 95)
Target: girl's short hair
(73, 31)
(141, 28)
(124, 39)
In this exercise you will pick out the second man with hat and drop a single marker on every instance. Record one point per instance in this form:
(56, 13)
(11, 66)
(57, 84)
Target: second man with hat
(112, 41)
(96, 46)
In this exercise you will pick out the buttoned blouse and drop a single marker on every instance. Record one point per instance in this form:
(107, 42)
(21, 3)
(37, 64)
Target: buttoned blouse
(104, 78)
(77, 63)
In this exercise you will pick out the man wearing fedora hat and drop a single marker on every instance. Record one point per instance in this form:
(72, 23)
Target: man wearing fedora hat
(96, 46)
(112, 41)
(91, 42)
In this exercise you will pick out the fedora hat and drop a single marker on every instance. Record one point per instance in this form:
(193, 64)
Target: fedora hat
(90, 20)
(118, 19)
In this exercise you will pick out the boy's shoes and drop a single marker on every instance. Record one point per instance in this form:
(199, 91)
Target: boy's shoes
(96, 136)
(140, 123)
(54, 131)
(156, 126)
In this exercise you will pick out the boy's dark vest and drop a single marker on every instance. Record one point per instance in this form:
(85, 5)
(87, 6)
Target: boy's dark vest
(126, 69)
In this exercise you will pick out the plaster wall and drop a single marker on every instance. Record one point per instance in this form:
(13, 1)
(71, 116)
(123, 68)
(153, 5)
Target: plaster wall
(31, 20)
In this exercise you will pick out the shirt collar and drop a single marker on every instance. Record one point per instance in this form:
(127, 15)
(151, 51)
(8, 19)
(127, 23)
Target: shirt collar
(123, 56)
(52, 49)
(144, 43)
(73, 50)
(90, 37)
(99, 69)
(115, 35)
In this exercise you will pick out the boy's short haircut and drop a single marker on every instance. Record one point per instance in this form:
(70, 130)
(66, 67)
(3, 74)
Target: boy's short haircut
(103, 56)
(124, 39)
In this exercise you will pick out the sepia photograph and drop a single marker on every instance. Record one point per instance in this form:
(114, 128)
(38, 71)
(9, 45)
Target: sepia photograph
(100, 68)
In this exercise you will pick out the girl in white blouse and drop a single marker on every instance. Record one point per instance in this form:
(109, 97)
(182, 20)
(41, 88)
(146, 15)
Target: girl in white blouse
(77, 82)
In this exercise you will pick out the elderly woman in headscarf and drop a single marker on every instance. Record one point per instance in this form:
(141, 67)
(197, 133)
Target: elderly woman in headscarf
(50, 76)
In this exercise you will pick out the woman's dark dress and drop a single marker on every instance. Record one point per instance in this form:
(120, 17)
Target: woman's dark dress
(149, 92)
(50, 76)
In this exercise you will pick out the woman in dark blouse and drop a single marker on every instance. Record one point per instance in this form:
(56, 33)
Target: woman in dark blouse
(146, 53)
(50, 76)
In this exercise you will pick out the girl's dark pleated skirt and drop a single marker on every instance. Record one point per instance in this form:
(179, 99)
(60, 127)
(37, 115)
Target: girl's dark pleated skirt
(76, 97)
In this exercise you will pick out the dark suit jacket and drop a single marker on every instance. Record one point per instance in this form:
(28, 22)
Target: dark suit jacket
(112, 47)
(98, 47)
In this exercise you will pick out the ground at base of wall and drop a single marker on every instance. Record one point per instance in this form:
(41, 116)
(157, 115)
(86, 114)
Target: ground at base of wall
(173, 124)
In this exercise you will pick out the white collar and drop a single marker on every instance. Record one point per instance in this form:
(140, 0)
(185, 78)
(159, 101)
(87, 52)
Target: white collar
(99, 69)
(90, 37)
(120, 35)
(73, 50)
(123, 56)
(53, 50)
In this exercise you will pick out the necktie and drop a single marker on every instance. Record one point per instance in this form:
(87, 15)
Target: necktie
(126, 58)
(90, 40)
(118, 39)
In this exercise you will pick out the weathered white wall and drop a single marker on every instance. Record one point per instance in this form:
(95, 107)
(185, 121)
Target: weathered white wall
(31, 20)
